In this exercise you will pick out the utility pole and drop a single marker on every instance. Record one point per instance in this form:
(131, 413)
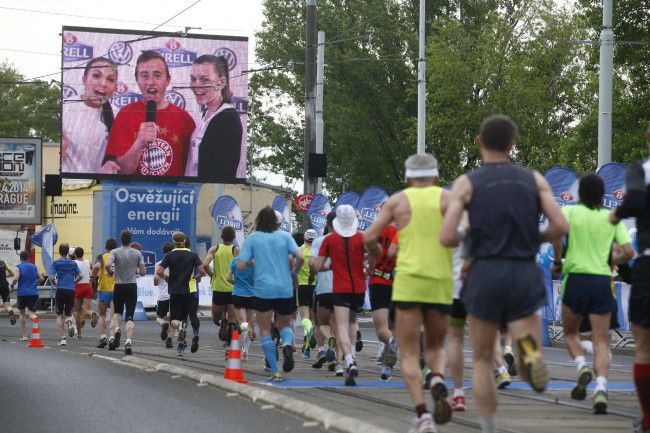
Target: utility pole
(605, 86)
(310, 90)
(422, 85)
(320, 75)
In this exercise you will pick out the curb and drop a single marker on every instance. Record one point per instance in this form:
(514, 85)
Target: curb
(330, 420)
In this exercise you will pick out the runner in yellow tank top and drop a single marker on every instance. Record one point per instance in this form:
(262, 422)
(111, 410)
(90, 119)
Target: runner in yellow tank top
(105, 287)
(422, 291)
(216, 263)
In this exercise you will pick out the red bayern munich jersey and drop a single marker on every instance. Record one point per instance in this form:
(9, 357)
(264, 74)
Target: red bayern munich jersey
(384, 264)
(347, 262)
(164, 157)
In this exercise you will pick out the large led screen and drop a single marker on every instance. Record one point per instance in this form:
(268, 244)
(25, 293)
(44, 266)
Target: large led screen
(153, 106)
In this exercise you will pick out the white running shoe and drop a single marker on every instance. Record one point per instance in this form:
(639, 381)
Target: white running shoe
(423, 424)
(62, 341)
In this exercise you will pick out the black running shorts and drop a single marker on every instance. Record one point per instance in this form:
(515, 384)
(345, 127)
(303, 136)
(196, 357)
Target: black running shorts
(125, 296)
(64, 302)
(221, 298)
(588, 294)
(458, 314)
(380, 296)
(284, 306)
(503, 290)
(162, 308)
(353, 301)
(306, 295)
(180, 306)
(639, 311)
(242, 302)
(4, 294)
(28, 302)
(324, 300)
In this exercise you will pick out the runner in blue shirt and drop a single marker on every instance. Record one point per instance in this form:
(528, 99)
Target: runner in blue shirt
(26, 277)
(66, 275)
(270, 249)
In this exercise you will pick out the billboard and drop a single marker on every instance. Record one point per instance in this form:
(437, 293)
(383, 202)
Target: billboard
(20, 180)
(153, 106)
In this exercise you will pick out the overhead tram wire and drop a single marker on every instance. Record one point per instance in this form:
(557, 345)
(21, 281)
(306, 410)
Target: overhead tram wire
(143, 37)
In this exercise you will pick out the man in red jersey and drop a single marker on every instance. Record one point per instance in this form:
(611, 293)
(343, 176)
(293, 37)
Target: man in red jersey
(151, 148)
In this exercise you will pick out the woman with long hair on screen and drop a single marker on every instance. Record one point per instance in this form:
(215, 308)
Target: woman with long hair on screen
(215, 147)
(86, 125)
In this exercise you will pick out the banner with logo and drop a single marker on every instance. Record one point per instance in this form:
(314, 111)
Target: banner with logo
(99, 81)
(152, 212)
(613, 175)
(20, 180)
(317, 212)
(226, 212)
(564, 185)
(348, 197)
(302, 201)
(369, 205)
(280, 204)
(46, 238)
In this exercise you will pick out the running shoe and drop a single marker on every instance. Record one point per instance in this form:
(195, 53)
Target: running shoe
(428, 375)
(358, 346)
(287, 352)
(127, 348)
(94, 318)
(24, 338)
(351, 375)
(386, 373)
(223, 329)
(509, 358)
(12, 317)
(579, 392)
(306, 353)
(244, 356)
(111, 344)
(102, 343)
(182, 332)
(390, 355)
(600, 402)
(321, 359)
(532, 363)
(637, 426)
(380, 353)
(180, 350)
(338, 370)
(195, 343)
(63, 341)
(503, 379)
(330, 354)
(331, 366)
(118, 334)
(458, 403)
(169, 344)
(423, 424)
(276, 377)
(164, 329)
(70, 327)
(441, 407)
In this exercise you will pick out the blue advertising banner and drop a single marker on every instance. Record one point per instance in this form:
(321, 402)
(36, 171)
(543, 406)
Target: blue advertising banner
(369, 205)
(348, 197)
(280, 204)
(153, 212)
(226, 212)
(564, 184)
(613, 174)
(317, 212)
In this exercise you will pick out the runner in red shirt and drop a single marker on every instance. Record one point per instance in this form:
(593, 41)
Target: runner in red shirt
(151, 148)
(345, 249)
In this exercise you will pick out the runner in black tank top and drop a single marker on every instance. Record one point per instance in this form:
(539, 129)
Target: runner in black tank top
(503, 286)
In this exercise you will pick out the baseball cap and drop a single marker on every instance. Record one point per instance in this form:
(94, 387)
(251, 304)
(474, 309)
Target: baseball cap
(346, 222)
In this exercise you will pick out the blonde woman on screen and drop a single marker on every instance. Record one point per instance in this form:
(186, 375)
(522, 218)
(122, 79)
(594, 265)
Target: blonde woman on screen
(86, 125)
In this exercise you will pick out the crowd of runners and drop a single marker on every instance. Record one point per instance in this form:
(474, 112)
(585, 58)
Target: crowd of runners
(433, 261)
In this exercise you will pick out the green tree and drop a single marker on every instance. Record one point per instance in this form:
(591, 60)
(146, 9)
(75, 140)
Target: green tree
(28, 109)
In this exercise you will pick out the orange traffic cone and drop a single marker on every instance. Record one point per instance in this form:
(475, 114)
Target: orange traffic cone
(36, 335)
(233, 366)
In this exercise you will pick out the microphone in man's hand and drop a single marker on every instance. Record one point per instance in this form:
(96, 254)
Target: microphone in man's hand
(151, 111)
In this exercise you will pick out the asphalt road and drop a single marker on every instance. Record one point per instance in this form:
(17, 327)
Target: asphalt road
(49, 390)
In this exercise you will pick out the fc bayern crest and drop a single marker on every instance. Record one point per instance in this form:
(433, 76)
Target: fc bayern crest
(120, 52)
(157, 158)
(229, 55)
